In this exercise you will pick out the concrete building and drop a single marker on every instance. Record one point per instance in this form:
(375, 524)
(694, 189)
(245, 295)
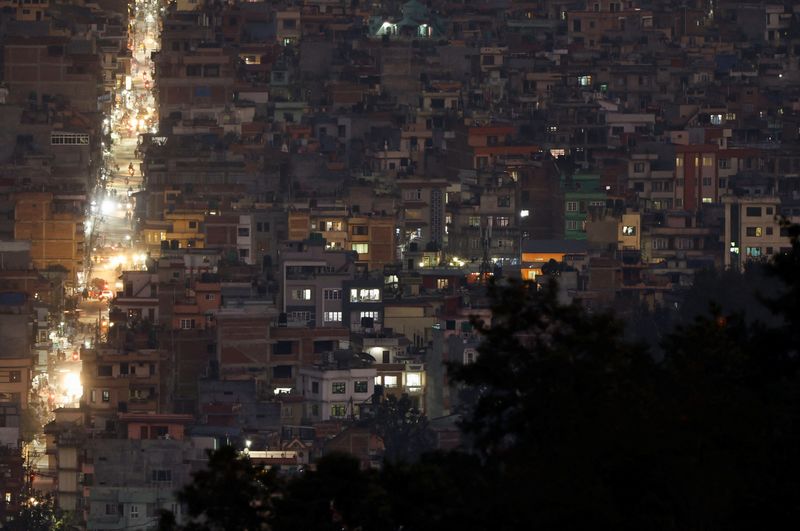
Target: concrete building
(53, 224)
(333, 393)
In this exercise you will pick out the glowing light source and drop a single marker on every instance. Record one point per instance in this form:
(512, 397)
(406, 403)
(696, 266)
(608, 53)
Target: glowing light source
(72, 385)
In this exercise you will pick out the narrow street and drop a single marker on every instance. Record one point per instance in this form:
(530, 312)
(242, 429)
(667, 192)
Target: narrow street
(111, 237)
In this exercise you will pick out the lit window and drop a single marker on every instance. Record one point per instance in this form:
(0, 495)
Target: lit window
(754, 251)
(360, 248)
(333, 317)
(708, 200)
(390, 381)
(8, 497)
(708, 161)
(338, 410)
(754, 232)
(442, 283)
(584, 81)
(413, 379)
(301, 294)
(678, 162)
(629, 230)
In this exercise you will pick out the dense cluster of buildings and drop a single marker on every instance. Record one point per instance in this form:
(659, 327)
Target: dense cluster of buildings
(329, 188)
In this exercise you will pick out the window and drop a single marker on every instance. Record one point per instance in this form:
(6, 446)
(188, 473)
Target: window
(339, 388)
(706, 181)
(679, 162)
(390, 381)
(315, 388)
(753, 212)
(370, 315)
(262, 226)
(360, 230)
(753, 232)
(629, 230)
(244, 231)
(769, 231)
(412, 195)
(442, 283)
(365, 295)
(572, 224)
(572, 206)
(104, 370)
(360, 248)
(360, 386)
(708, 200)
(333, 317)
(684, 243)
(187, 324)
(501, 221)
(282, 372)
(332, 294)
(504, 201)
(638, 167)
(282, 347)
(14, 376)
(338, 410)
(584, 81)
(194, 70)
(301, 294)
(8, 497)
(211, 71)
(722, 182)
(724, 164)
(211, 296)
(134, 512)
(161, 476)
(769, 211)
(474, 221)
(112, 508)
(660, 243)
(754, 252)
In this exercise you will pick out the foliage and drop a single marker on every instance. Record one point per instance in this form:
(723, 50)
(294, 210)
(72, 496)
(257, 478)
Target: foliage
(231, 493)
(575, 426)
(403, 429)
(38, 512)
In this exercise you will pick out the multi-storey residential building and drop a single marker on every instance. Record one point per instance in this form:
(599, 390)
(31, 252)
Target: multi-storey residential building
(752, 229)
(53, 223)
(371, 235)
(311, 281)
(336, 393)
(583, 197)
(422, 203)
(115, 382)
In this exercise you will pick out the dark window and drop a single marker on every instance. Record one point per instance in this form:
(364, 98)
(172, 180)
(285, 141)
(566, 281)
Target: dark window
(753, 212)
(211, 71)
(194, 70)
(339, 388)
(360, 230)
(282, 371)
(322, 346)
(161, 476)
(360, 386)
(282, 347)
(315, 387)
(104, 370)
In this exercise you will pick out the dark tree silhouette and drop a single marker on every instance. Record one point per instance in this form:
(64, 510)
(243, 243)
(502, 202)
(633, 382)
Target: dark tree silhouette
(231, 493)
(403, 429)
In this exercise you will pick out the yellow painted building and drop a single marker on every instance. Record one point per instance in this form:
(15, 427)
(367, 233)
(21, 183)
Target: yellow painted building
(372, 237)
(54, 226)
